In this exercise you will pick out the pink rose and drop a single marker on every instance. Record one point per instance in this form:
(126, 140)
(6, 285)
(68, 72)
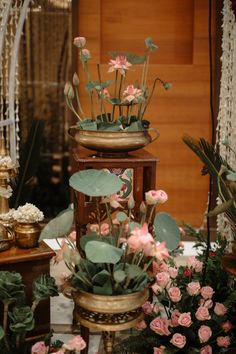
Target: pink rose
(178, 340)
(175, 318)
(153, 197)
(206, 303)
(141, 325)
(159, 350)
(173, 272)
(220, 309)
(175, 294)
(193, 288)
(77, 343)
(147, 307)
(223, 341)
(204, 333)
(159, 267)
(39, 348)
(193, 262)
(202, 314)
(227, 326)
(160, 326)
(185, 319)
(79, 42)
(207, 292)
(162, 279)
(206, 350)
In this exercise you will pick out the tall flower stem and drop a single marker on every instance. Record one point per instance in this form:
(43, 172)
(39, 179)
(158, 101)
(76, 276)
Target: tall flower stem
(120, 87)
(151, 213)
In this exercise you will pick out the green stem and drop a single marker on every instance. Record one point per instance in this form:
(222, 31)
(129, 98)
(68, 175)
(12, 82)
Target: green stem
(78, 101)
(151, 213)
(121, 81)
(70, 105)
(150, 96)
(116, 79)
(108, 211)
(35, 304)
(98, 216)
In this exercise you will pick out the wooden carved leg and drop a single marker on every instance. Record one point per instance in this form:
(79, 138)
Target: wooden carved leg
(108, 341)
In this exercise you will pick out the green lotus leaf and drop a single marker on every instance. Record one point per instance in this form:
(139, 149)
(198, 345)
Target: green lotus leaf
(121, 216)
(101, 252)
(95, 183)
(133, 270)
(106, 289)
(60, 226)
(92, 237)
(166, 229)
(101, 278)
(119, 276)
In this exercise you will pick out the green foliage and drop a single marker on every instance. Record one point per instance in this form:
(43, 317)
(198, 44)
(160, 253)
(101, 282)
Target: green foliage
(11, 287)
(95, 183)
(167, 230)
(21, 319)
(44, 287)
(102, 252)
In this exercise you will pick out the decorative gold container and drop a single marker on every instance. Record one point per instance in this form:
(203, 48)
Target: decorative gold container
(27, 234)
(6, 237)
(109, 313)
(113, 142)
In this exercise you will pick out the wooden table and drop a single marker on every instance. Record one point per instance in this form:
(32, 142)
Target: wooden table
(30, 263)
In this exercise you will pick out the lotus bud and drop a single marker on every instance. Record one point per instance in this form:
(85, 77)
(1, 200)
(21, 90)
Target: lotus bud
(67, 88)
(79, 42)
(75, 79)
(143, 208)
(70, 92)
(85, 55)
(131, 202)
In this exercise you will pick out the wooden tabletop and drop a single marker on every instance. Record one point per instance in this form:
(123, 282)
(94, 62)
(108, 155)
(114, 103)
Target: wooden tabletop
(16, 255)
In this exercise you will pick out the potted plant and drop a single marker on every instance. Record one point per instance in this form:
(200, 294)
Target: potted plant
(116, 121)
(27, 228)
(112, 273)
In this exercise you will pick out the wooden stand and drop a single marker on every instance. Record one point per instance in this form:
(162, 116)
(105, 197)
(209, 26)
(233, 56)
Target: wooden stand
(31, 263)
(142, 167)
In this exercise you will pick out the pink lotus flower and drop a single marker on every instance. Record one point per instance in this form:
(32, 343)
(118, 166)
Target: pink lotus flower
(204, 333)
(120, 63)
(114, 200)
(104, 229)
(141, 239)
(178, 340)
(132, 94)
(39, 348)
(160, 251)
(153, 197)
(85, 54)
(160, 326)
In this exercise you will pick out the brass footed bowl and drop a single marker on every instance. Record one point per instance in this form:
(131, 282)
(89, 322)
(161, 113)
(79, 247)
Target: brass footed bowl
(27, 234)
(113, 142)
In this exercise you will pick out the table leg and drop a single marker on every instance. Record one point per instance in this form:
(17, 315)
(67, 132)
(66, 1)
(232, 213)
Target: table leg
(108, 341)
(84, 331)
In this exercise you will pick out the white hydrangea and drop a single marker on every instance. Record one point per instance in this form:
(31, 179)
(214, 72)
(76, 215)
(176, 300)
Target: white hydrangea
(6, 192)
(28, 213)
(7, 216)
(6, 161)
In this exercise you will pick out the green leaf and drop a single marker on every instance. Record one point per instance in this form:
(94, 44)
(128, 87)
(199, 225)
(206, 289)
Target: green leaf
(101, 252)
(231, 176)
(60, 226)
(101, 278)
(106, 289)
(92, 237)
(133, 270)
(121, 216)
(44, 287)
(150, 44)
(95, 183)
(87, 124)
(119, 276)
(166, 229)
(115, 101)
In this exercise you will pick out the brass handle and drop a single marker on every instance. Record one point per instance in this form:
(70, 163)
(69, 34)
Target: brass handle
(156, 131)
(72, 130)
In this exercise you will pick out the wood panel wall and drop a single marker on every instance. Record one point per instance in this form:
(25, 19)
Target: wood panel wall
(180, 28)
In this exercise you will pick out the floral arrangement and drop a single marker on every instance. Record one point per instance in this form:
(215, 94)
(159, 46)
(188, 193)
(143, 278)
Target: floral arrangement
(127, 101)
(28, 213)
(118, 250)
(6, 162)
(73, 346)
(18, 317)
(192, 310)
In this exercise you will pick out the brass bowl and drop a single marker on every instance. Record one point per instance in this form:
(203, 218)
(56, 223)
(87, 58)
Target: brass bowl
(110, 303)
(27, 234)
(113, 142)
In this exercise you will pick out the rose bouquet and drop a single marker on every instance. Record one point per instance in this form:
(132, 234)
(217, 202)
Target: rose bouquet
(117, 251)
(189, 313)
(115, 105)
(73, 346)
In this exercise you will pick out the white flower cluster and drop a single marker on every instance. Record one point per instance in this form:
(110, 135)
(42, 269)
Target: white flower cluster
(6, 161)
(28, 213)
(7, 216)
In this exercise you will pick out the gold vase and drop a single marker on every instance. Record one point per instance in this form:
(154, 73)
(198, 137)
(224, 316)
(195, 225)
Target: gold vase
(108, 313)
(27, 234)
(111, 142)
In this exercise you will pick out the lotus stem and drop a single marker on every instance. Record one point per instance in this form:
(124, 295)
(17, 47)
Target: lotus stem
(151, 213)
(116, 78)
(70, 105)
(98, 216)
(150, 96)
(78, 101)
(35, 304)
(109, 216)
(121, 81)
